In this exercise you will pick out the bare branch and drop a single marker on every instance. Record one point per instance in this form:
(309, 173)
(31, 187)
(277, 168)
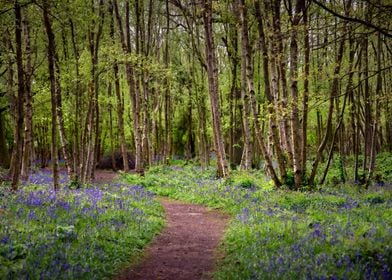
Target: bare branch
(351, 19)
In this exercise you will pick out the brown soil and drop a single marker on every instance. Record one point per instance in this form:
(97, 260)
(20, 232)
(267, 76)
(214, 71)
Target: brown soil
(186, 247)
(104, 176)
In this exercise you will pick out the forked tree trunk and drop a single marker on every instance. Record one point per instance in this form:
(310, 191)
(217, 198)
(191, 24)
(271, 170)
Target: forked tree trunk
(281, 61)
(267, 89)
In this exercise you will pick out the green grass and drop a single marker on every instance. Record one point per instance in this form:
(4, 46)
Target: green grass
(333, 233)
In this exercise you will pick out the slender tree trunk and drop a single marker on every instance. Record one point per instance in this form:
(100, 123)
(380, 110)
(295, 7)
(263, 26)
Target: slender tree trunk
(18, 147)
(281, 61)
(267, 89)
(61, 122)
(306, 89)
(332, 96)
(136, 102)
(53, 85)
(367, 105)
(97, 126)
(331, 150)
(133, 88)
(77, 150)
(246, 162)
(5, 159)
(376, 121)
(111, 134)
(93, 127)
(295, 123)
(28, 131)
(4, 156)
(120, 104)
(212, 70)
(168, 127)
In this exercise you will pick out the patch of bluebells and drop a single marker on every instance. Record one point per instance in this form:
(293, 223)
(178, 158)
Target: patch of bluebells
(330, 234)
(73, 234)
(43, 177)
(352, 242)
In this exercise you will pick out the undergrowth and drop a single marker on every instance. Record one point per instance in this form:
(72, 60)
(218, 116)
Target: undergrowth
(332, 233)
(89, 233)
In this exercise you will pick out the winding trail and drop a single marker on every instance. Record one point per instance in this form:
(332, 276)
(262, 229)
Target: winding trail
(186, 248)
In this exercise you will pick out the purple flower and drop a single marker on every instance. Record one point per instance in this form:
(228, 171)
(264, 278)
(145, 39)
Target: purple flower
(31, 215)
(5, 239)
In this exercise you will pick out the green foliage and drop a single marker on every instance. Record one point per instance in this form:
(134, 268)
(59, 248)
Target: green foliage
(289, 179)
(383, 171)
(342, 170)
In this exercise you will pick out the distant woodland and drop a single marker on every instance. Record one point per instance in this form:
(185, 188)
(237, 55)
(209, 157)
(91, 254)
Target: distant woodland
(281, 85)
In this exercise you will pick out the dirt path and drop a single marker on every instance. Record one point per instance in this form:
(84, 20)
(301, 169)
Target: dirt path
(186, 247)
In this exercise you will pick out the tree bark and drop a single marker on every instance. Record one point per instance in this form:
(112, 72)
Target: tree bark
(133, 88)
(4, 156)
(212, 70)
(120, 103)
(18, 141)
(246, 162)
(295, 123)
(77, 141)
(28, 147)
(167, 99)
(53, 85)
(267, 90)
(305, 102)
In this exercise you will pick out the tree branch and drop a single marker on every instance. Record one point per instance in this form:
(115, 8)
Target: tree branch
(357, 20)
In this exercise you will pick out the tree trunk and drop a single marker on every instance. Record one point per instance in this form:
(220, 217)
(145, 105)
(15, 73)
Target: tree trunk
(168, 127)
(295, 123)
(212, 71)
(267, 89)
(4, 156)
(77, 150)
(281, 61)
(120, 105)
(28, 147)
(246, 162)
(373, 151)
(53, 85)
(18, 148)
(305, 105)
(332, 96)
(133, 88)
(111, 134)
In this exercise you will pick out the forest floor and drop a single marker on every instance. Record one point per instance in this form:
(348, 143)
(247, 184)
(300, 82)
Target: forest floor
(104, 176)
(186, 248)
